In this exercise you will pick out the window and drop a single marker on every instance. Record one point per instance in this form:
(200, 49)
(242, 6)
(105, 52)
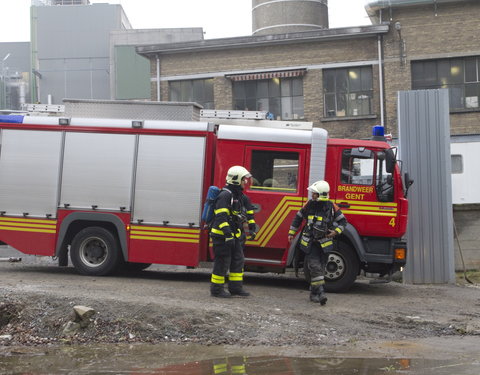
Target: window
(283, 97)
(198, 90)
(457, 164)
(348, 91)
(461, 76)
(274, 171)
(356, 171)
(384, 182)
(360, 167)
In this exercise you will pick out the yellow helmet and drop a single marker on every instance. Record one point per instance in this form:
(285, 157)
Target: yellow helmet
(322, 188)
(236, 173)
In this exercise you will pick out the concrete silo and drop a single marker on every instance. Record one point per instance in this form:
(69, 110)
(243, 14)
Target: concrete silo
(287, 16)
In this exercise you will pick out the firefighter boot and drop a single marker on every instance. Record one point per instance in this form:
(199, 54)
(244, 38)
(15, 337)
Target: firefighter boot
(317, 294)
(322, 297)
(314, 293)
(217, 290)
(236, 289)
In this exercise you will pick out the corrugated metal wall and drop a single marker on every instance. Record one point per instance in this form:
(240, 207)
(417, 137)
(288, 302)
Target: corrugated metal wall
(424, 134)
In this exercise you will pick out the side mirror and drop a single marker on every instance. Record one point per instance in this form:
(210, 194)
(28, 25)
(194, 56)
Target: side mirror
(390, 160)
(408, 182)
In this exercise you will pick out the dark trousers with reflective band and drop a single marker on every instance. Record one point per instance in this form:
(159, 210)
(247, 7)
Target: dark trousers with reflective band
(316, 260)
(227, 258)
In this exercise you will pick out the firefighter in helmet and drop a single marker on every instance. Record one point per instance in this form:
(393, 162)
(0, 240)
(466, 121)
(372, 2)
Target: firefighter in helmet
(324, 220)
(233, 211)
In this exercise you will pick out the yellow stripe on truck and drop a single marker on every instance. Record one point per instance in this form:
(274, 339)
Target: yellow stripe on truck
(28, 225)
(165, 234)
(276, 218)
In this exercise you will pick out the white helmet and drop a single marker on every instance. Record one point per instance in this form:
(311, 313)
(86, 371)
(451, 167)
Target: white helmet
(236, 173)
(322, 188)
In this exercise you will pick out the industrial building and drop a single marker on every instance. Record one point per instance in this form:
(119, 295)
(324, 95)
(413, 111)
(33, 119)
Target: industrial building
(79, 50)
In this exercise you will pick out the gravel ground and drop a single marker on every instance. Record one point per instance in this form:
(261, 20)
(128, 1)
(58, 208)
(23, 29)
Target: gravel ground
(174, 305)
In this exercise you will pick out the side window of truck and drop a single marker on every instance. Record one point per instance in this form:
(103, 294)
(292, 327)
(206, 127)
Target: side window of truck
(274, 171)
(356, 170)
(384, 184)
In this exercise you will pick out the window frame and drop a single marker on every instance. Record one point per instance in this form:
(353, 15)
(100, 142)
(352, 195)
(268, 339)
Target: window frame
(462, 80)
(207, 100)
(271, 95)
(456, 170)
(345, 89)
(300, 171)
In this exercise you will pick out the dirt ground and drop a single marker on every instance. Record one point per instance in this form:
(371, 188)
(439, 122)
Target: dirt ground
(174, 305)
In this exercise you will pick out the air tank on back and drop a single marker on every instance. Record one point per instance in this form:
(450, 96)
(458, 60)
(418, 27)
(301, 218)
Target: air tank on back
(288, 16)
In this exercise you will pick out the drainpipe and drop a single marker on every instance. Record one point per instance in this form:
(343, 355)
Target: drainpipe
(158, 78)
(380, 77)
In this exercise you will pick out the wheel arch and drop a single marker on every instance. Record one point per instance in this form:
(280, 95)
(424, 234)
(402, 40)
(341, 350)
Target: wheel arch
(351, 236)
(76, 221)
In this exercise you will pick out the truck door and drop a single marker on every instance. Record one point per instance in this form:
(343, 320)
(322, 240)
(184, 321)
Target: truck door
(365, 191)
(277, 191)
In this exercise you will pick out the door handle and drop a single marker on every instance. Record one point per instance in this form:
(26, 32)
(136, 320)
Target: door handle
(343, 205)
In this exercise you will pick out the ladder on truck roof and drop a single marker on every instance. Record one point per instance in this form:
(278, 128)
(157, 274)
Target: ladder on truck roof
(261, 119)
(225, 113)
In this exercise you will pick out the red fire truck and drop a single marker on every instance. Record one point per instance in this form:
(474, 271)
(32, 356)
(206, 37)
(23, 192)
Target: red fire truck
(111, 193)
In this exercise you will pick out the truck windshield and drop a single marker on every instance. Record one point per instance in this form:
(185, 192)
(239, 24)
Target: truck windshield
(368, 170)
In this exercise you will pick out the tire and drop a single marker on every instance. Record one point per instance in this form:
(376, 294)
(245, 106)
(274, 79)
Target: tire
(95, 252)
(342, 268)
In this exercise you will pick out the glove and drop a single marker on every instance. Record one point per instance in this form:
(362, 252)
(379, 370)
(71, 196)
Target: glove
(331, 234)
(252, 236)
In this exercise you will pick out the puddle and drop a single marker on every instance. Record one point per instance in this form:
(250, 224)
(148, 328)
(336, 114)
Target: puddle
(168, 359)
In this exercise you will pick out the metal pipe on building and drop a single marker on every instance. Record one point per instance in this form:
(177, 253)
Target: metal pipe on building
(158, 78)
(380, 78)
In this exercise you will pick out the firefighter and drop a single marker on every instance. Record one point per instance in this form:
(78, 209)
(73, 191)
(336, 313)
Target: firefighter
(324, 221)
(233, 210)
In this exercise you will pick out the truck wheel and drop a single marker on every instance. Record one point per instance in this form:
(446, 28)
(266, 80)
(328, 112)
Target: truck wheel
(341, 269)
(95, 252)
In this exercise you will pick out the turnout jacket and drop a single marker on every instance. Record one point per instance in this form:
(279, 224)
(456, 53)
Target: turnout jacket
(232, 210)
(325, 212)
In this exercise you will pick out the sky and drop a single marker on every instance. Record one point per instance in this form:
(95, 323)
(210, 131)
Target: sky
(219, 18)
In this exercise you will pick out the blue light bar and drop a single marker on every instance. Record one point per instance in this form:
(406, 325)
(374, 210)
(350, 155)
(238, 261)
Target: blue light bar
(12, 119)
(378, 131)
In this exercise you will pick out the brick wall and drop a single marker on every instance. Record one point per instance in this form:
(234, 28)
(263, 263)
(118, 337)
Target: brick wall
(302, 54)
(452, 31)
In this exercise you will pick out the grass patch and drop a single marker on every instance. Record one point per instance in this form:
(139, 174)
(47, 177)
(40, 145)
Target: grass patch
(472, 275)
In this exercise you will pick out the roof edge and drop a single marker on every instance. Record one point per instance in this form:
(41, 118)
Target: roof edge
(373, 6)
(256, 41)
